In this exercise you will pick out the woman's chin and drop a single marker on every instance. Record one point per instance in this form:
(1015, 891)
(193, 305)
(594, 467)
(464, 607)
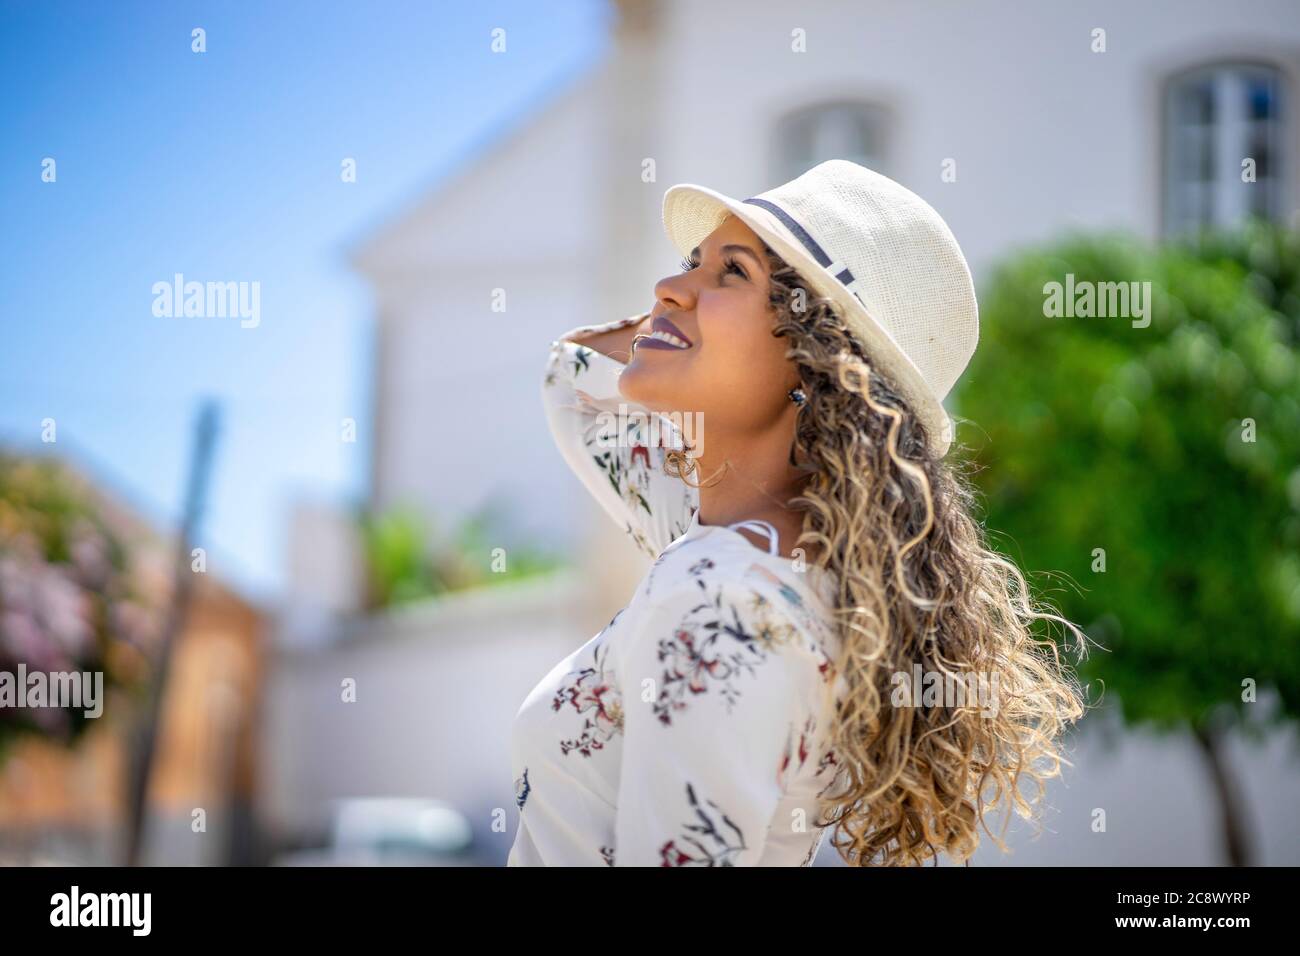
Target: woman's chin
(649, 387)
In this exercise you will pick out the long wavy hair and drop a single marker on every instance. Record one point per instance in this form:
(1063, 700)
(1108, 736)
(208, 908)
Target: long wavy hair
(917, 585)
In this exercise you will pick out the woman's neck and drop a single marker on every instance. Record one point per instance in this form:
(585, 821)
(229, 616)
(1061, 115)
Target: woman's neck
(752, 480)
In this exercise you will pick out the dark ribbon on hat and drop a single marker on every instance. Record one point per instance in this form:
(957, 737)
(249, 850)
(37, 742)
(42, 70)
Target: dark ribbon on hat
(814, 248)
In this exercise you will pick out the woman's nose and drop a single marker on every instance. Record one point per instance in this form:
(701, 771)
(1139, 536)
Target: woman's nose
(676, 292)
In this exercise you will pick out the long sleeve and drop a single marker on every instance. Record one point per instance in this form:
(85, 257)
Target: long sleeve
(619, 459)
(716, 684)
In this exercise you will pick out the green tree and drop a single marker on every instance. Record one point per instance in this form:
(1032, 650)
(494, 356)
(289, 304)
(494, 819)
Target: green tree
(1159, 468)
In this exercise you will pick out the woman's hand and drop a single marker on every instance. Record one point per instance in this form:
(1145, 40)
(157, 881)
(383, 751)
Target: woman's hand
(616, 343)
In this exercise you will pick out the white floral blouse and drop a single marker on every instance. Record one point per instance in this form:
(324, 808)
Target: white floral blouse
(688, 732)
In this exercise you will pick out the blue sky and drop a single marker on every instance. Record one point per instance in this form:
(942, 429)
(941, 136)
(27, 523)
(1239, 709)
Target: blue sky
(225, 166)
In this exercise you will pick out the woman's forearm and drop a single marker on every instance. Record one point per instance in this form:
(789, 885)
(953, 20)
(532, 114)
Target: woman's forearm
(616, 343)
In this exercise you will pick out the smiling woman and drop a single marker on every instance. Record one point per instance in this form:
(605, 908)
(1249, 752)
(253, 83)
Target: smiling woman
(747, 699)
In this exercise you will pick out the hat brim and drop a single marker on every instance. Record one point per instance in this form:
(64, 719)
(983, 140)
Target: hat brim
(692, 212)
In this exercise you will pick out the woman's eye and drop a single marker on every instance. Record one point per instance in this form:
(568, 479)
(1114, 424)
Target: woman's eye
(730, 265)
(733, 265)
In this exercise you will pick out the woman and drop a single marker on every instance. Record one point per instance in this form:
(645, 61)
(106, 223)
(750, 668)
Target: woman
(823, 638)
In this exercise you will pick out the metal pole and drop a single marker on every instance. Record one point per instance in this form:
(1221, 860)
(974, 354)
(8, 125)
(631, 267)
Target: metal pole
(144, 739)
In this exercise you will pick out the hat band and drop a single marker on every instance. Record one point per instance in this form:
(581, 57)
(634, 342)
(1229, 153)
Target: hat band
(815, 250)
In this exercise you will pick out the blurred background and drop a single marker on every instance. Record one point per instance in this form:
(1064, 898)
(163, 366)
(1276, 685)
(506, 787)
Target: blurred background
(277, 528)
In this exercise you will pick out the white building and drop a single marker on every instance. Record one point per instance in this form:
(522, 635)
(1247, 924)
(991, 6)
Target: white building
(1053, 117)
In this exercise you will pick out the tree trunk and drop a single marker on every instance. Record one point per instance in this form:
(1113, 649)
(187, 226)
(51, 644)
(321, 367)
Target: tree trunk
(1231, 806)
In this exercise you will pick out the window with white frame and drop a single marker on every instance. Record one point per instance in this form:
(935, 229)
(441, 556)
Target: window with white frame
(1224, 147)
(845, 130)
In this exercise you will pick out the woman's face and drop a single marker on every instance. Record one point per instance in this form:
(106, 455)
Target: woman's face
(732, 370)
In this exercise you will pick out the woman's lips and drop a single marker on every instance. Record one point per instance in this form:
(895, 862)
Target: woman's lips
(664, 335)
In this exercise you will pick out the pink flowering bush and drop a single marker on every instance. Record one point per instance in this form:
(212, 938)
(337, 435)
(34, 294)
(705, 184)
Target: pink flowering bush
(68, 599)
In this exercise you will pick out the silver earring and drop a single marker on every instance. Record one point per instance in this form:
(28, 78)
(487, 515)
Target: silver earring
(797, 396)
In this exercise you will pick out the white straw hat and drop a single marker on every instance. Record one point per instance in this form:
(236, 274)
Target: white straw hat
(880, 252)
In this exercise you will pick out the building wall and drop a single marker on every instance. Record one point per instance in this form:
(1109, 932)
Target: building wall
(437, 686)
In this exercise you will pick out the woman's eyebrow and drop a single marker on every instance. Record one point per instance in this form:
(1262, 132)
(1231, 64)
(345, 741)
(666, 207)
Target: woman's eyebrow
(733, 247)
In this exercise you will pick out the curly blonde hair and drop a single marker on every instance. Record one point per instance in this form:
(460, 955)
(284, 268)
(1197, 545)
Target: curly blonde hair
(917, 585)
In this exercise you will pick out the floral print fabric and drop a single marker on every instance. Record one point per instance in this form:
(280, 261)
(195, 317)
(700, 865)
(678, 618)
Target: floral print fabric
(689, 731)
(615, 456)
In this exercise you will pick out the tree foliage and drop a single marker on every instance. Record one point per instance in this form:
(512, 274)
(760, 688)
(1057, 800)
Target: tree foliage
(1171, 451)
